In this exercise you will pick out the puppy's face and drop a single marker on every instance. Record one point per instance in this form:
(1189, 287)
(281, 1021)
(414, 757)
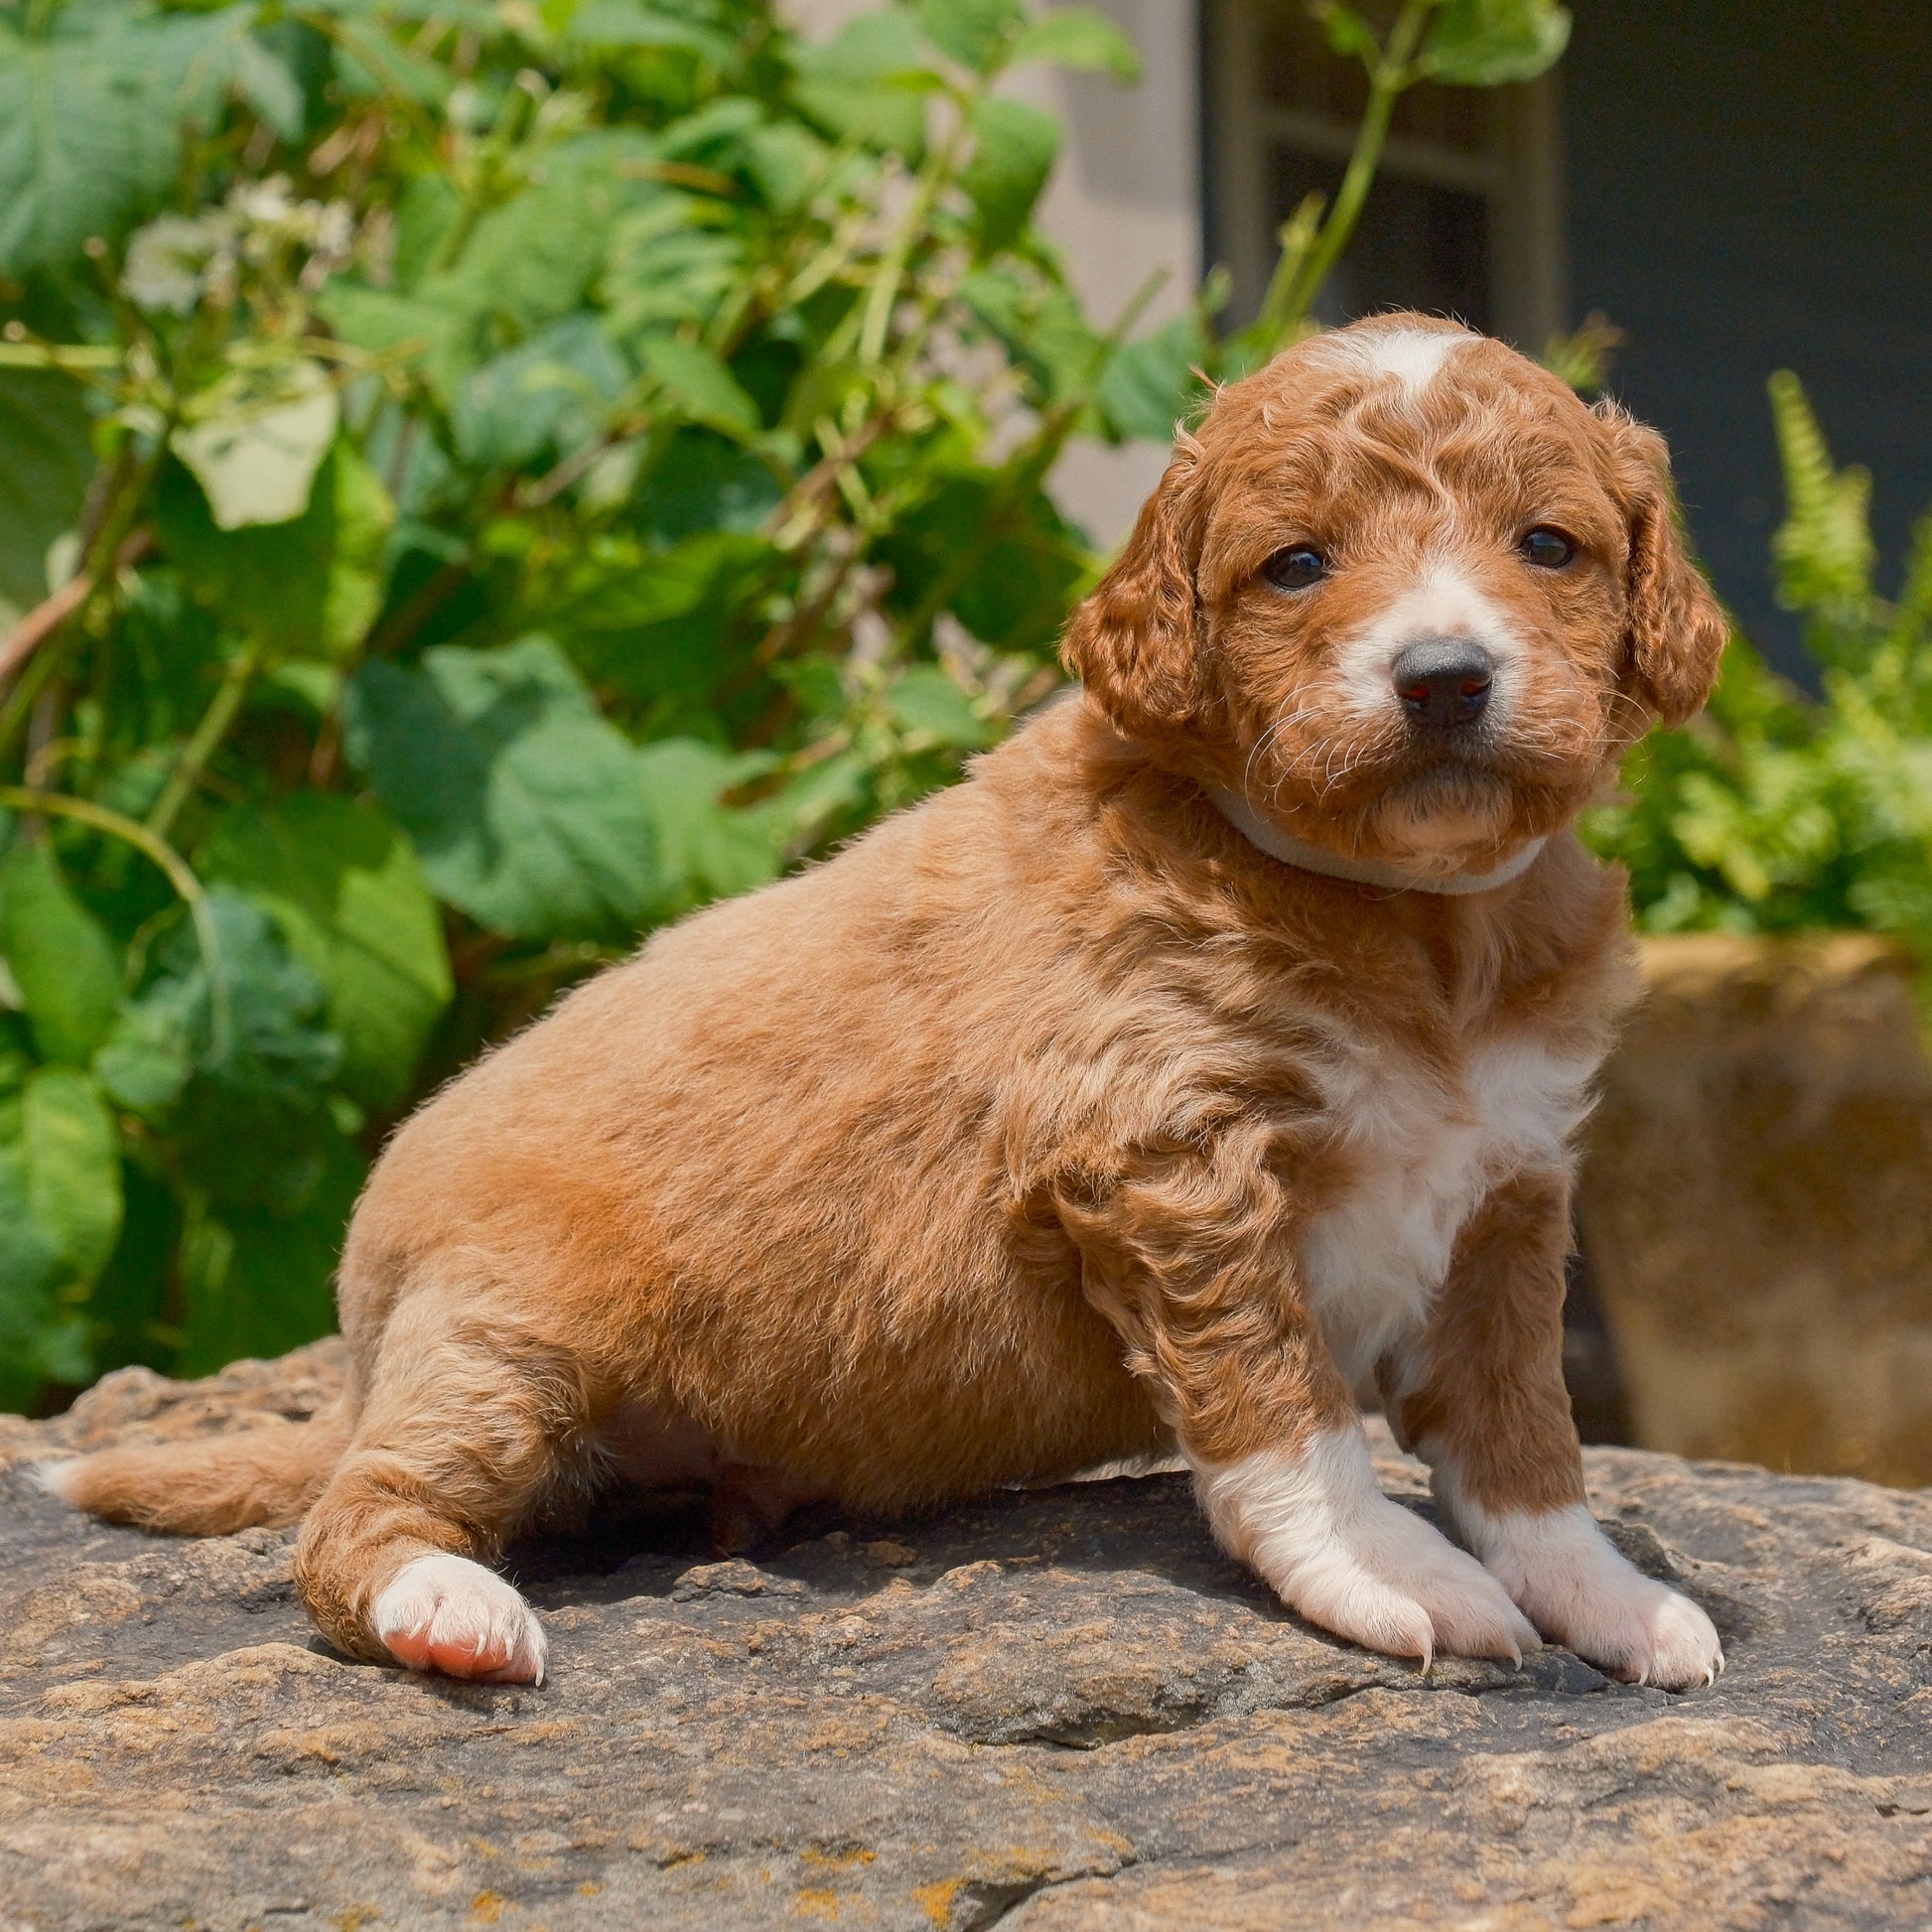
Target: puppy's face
(1407, 595)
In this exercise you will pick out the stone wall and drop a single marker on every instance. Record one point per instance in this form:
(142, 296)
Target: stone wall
(1756, 1207)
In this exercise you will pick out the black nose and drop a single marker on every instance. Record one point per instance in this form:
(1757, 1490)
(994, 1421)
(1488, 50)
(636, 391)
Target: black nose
(1443, 682)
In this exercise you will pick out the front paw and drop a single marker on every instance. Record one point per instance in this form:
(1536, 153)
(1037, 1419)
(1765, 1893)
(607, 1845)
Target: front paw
(1581, 1590)
(441, 1612)
(1335, 1549)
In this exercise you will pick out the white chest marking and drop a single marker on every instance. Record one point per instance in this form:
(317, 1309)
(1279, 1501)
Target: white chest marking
(1425, 1155)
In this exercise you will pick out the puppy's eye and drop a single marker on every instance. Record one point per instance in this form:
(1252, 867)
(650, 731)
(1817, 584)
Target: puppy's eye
(1546, 548)
(1294, 569)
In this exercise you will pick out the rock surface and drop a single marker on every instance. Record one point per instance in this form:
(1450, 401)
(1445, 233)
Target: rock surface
(1060, 1710)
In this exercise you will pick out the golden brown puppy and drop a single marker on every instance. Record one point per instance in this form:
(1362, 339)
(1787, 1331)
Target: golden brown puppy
(1214, 1050)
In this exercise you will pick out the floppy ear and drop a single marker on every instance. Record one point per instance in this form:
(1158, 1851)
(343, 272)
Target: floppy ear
(1677, 627)
(1133, 642)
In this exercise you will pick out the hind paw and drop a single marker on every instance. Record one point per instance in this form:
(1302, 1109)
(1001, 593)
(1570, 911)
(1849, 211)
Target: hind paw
(446, 1614)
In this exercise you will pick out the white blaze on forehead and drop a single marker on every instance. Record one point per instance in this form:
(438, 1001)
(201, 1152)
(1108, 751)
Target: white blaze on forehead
(1442, 602)
(1414, 357)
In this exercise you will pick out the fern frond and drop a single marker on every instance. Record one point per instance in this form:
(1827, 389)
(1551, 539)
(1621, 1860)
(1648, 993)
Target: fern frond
(1915, 599)
(1823, 550)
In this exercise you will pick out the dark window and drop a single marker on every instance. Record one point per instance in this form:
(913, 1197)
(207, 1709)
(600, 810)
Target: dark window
(1462, 219)
(1420, 246)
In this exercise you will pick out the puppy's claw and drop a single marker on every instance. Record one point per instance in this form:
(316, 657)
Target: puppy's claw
(1583, 1592)
(446, 1614)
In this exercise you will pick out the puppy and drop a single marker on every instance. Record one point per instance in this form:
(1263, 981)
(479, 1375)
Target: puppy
(1212, 1051)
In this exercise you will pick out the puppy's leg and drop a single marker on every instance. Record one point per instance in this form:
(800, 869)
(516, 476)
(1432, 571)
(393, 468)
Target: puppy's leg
(1187, 1259)
(1481, 1399)
(464, 1428)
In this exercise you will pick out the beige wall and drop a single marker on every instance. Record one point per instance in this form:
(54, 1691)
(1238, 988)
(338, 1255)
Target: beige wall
(1124, 202)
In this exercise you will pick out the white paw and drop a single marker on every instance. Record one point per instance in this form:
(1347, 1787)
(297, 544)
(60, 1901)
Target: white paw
(1333, 1547)
(446, 1613)
(1581, 1590)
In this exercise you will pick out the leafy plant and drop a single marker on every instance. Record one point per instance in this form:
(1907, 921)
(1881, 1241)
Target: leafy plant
(477, 480)
(1774, 812)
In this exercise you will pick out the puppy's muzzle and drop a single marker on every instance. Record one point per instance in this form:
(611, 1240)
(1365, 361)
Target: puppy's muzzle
(1444, 682)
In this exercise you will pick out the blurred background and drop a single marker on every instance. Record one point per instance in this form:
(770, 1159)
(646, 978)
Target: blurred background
(479, 478)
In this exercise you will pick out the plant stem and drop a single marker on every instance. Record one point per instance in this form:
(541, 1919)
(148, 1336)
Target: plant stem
(107, 547)
(74, 359)
(48, 616)
(179, 874)
(891, 266)
(1026, 469)
(1387, 80)
(209, 735)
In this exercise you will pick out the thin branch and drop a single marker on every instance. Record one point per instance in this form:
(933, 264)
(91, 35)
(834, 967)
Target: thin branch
(74, 359)
(179, 874)
(46, 618)
(209, 735)
(1389, 76)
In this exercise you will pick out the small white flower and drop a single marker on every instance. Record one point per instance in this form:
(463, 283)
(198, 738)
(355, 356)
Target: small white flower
(169, 261)
(265, 203)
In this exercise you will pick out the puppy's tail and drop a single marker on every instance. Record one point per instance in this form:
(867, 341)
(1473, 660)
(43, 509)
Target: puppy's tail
(266, 1475)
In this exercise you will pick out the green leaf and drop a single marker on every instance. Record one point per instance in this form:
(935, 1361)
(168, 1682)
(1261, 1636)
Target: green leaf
(868, 84)
(1152, 383)
(247, 1128)
(31, 1272)
(927, 702)
(89, 130)
(1020, 575)
(704, 482)
(631, 23)
(275, 1050)
(524, 804)
(975, 33)
(669, 267)
(72, 1167)
(145, 1062)
(786, 162)
(530, 260)
(434, 335)
(549, 395)
(1042, 327)
(309, 586)
(256, 457)
(350, 899)
(362, 517)
(1349, 34)
(872, 48)
(59, 1217)
(1487, 43)
(261, 79)
(62, 962)
(1082, 38)
(1016, 147)
(91, 118)
(44, 463)
(710, 849)
(698, 385)
(259, 1280)
(654, 626)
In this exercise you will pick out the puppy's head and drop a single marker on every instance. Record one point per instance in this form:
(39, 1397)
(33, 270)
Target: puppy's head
(1406, 594)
